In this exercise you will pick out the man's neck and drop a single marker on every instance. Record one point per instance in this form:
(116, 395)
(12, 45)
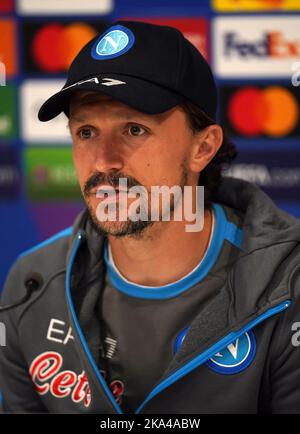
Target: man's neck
(166, 253)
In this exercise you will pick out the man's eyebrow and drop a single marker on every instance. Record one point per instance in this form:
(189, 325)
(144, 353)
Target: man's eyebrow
(77, 120)
(119, 115)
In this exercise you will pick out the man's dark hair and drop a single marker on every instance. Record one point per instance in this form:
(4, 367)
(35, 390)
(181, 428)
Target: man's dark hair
(210, 177)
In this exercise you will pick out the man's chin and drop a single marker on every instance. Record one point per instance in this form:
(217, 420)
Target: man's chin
(120, 229)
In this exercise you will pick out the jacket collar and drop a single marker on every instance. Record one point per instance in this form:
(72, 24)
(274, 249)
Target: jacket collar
(258, 280)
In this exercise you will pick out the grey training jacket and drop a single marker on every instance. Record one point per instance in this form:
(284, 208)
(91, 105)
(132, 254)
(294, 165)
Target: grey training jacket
(248, 331)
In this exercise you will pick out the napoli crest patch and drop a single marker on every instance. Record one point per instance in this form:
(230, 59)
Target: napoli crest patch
(236, 357)
(113, 43)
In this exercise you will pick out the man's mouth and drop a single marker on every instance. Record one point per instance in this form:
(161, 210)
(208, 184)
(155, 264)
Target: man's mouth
(109, 188)
(108, 192)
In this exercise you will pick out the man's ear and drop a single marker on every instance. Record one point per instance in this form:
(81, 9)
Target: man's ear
(206, 144)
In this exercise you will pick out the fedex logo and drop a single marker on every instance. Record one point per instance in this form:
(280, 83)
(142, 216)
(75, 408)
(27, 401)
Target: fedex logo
(255, 46)
(271, 44)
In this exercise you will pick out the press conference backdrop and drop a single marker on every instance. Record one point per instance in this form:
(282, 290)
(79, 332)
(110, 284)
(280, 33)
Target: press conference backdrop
(252, 45)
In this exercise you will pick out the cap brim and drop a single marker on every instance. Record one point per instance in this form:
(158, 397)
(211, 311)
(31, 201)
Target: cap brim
(141, 95)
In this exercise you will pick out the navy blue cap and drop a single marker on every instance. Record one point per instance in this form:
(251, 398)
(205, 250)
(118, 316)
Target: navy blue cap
(149, 67)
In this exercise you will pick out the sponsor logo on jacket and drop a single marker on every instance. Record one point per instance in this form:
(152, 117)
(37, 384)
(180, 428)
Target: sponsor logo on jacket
(236, 357)
(46, 374)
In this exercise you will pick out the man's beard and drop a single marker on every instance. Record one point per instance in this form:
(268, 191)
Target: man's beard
(133, 229)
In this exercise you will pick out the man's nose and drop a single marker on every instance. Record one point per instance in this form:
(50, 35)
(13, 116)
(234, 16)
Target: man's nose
(108, 156)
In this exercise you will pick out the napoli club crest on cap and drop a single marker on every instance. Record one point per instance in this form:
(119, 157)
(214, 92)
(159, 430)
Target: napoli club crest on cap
(236, 357)
(116, 41)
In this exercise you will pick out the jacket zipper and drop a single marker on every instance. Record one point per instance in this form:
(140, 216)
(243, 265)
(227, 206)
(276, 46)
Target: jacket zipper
(79, 332)
(181, 372)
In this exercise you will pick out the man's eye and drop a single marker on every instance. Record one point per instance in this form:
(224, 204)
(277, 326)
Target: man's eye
(85, 133)
(135, 130)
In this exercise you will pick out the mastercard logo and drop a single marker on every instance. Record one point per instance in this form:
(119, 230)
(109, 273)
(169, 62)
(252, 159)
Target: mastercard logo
(272, 111)
(6, 6)
(55, 45)
(8, 42)
(194, 29)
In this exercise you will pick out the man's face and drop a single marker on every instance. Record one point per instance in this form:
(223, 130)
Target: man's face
(112, 140)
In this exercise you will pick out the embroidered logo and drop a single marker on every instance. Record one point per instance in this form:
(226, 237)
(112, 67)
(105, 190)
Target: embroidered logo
(236, 357)
(116, 41)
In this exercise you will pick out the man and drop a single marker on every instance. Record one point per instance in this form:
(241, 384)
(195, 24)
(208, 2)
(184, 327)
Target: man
(144, 316)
